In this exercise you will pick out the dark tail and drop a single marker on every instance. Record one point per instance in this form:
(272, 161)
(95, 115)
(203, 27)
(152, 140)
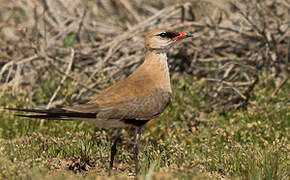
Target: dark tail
(57, 114)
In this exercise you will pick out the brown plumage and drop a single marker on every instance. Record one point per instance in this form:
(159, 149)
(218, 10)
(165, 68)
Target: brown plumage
(131, 102)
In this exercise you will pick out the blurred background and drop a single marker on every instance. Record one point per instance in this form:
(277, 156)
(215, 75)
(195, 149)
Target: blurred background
(230, 82)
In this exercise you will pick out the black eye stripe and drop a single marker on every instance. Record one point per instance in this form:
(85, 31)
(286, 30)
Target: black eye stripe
(168, 34)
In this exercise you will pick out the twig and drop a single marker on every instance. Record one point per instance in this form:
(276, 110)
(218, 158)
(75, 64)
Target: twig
(63, 78)
(5, 67)
(128, 6)
(82, 22)
(79, 83)
(272, 96)
(228, 84)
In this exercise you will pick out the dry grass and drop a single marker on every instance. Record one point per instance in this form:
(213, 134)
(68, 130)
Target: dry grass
(231, 86)
(234, 43)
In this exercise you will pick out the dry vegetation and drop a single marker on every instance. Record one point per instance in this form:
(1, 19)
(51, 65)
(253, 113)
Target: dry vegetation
(64, 51)
(233, 44)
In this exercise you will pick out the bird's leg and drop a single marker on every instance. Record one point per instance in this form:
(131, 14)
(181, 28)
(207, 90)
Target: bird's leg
(136, 149)
(114, 148)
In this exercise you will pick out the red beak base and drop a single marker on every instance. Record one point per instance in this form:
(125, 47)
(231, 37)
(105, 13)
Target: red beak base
(182, 35)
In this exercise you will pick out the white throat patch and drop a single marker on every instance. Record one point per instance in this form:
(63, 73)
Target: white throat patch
(163, 60)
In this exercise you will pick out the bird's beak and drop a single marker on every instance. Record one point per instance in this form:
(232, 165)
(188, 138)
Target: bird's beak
(182, 35)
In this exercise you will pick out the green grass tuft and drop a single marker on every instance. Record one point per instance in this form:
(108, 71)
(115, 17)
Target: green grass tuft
(185, 142)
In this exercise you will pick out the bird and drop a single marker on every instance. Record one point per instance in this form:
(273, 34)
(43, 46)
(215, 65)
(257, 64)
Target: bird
(133, 101)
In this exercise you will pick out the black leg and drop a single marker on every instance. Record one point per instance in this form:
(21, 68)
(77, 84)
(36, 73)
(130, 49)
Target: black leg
(136, 149)
(114, 148)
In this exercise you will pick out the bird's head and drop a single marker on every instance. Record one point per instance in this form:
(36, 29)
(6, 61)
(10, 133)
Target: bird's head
(161, 39)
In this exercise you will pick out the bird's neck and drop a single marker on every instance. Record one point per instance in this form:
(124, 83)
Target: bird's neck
(156, 63)
(156, 58)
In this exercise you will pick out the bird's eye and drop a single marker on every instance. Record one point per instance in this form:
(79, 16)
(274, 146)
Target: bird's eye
(169, 35)
(163, 35)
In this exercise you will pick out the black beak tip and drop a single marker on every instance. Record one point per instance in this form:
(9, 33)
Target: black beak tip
(189, 35)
